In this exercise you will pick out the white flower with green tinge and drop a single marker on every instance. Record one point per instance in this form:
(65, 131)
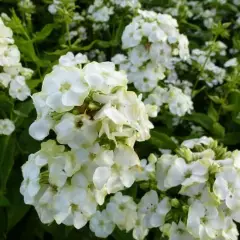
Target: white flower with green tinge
(101, 224)
(122, 211)
(154, 209)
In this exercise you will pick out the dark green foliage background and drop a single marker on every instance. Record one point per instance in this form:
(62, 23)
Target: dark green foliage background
(42, 43)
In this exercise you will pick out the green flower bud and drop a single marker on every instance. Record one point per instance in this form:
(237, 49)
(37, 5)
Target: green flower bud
(175, 203)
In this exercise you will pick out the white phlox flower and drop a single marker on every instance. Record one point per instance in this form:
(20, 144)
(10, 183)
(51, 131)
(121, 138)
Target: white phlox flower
(7, 127)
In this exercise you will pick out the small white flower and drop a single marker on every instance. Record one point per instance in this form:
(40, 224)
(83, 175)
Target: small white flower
(19, 89)
(101, 224)
(183, 47)
(69, 206)
(7, 127)
(69, 60)
(103, 77)
(5, 79)
(9, 55)
(231, 63)
(140, 231)
(154, 210)
(40, 128)
(122, 211)
(163, 165)
(119, 58)
(76, 131)
(31, 177)
(118, 172)
(132, 36)
(6, 34)
(65, 87)
(203, 221)
(197, 141)
(227, 188)
(44, 206)
(179, 232)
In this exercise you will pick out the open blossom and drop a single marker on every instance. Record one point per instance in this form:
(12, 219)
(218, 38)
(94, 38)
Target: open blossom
(122, 211)
(203, 221)
(65, 87)
(154, 210)
(101, 224)
(6, 127)
(119, 171)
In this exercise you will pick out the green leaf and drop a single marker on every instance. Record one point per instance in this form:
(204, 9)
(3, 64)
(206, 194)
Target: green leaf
(3, 223)
(228, 108)
(58, 52)
(216, 99)
(202, 119)
(44, 33)
(8, 144)
(234, 99)
(18, 209)
(25, 107)
(231, 7)
(197, 91)
(234, 102)
(27, 49)
(22, 111)
(6, 103)
(4, 202)
(26, 143)
(121, 235)
(33, 83)
(212, 113)
(231, 138)
(218, 130)
(161, 140)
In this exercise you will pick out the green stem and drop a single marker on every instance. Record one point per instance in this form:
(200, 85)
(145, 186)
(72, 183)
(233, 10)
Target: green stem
(205, 62)
(68, 34)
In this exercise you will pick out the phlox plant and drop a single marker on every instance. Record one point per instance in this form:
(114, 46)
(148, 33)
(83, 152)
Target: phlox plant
(119, 119)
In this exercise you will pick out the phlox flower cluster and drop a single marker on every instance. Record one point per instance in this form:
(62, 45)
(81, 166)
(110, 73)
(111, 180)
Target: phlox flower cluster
(205, 178)
(101, 11)
(57, 6)
(77, 30)
(173, 98)
(13, 75)
(195, 192)
(97, 55)
(97, 122)
(6, 127)
(27, 7)
(196, 196)
(154, 45)
(213, 75)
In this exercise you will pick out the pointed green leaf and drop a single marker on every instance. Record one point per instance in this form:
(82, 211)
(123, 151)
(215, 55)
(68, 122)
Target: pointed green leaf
(44, 33)
(162, 140)
(202, 119)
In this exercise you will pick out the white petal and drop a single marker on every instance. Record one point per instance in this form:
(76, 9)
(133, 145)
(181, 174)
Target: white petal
(40, 128)
(176, 172)
(71, 98)
(101, 176)
(220, 188)
(79, 220)
(127, 177)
